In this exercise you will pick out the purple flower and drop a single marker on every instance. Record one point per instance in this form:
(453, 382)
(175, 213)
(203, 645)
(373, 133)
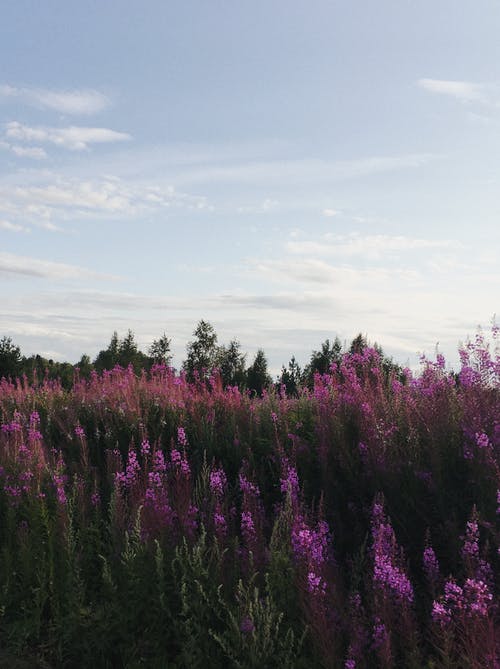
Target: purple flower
(431, 565)
(379, 634)
(290, 482)
(315, 584)
(440, 614)
(181, 437)
(217, 481)
(390, 578)
(247, 527)
(482, 440)
(246, 625)
(248, 488)
(478, 597)
(470, 548)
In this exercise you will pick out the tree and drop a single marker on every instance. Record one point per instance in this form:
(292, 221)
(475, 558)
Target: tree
(108, 358)
(11, 360)
(231, 364)
(84, 366)
(322, 360)
(159, 351)
(201, 352)
(123, 353)
(358, 344)
(257, 375)
(291, 377)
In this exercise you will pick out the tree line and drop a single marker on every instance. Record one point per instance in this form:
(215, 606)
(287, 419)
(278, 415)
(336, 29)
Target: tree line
(203, 355)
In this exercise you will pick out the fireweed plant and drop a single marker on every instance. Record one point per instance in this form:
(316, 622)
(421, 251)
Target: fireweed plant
(146, 521)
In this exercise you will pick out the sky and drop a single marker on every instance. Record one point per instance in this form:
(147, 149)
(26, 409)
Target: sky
(290, 171)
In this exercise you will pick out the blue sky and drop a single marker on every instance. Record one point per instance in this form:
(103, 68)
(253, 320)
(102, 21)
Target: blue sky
(290, 171)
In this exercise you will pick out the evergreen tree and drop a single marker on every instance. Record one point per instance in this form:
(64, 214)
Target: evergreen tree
(322, 360)
(291, 377)
(257, 375)
(123, 353)
(108, 358)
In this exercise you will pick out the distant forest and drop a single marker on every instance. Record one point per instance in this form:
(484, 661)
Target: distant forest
(203, 356)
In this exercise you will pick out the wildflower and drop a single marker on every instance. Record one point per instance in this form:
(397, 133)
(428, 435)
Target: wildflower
(391, 578)
(482, 440)
(477, 597)
(246, 625)
(181, 437)
(247, 526)
(217, 482)
(159, 462)
(379, 634)
(289, 483)
(470, 548)
(440, 614)
(315, 584)
(431, 565)
(175, 457)
(220, 523)
(248, 488)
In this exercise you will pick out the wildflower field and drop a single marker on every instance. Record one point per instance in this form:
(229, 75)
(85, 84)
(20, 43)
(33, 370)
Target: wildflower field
(146, 521)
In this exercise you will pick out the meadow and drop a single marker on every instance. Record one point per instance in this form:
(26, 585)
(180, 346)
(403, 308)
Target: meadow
(151, 521)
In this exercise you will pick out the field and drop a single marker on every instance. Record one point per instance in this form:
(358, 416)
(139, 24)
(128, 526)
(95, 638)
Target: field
(146, 521)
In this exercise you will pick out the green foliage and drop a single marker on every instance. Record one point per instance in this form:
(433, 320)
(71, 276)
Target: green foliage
(10, 359)
(159, 351)
(256, 634)
(230, 362)
(291, 377)
(122, 352)
(201, 352)
(257, 375)
(322, 360)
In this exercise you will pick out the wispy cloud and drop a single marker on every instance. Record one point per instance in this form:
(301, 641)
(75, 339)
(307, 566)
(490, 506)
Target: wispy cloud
(54, 199)
(75, 138)
(29, 152)
(34, 267)
(35, 152)
(12, 227)
(330, 213)
(302, 171)
(76, 101)
(368, 246)
(465, 91)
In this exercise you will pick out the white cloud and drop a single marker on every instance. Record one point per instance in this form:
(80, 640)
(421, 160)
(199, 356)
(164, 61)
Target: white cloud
(53, 199)
(12, 227)
(369, 246)
(301, 172)
(29, 152)
(77, 101)
(75, 138)
(465, 91)
(23, 265)
(329, 213)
